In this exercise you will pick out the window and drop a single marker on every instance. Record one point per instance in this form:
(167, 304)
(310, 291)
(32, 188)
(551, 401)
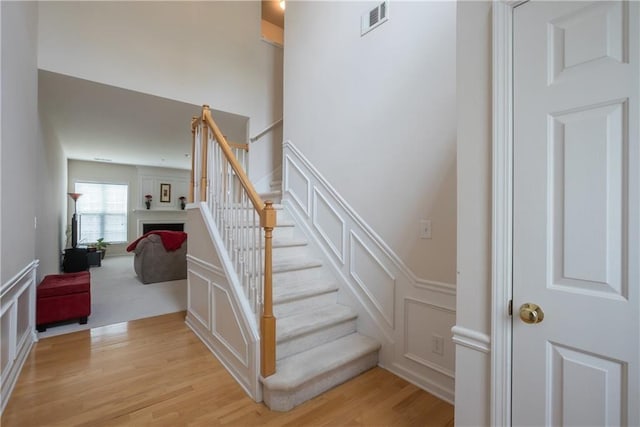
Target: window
(102, 212)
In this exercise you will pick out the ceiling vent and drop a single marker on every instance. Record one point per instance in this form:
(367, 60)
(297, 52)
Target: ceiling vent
(374, 18)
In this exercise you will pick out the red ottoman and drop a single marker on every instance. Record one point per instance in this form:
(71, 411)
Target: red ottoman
(61, 297)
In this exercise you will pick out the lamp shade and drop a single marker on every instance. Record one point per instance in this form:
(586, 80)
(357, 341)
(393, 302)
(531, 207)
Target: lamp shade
(74, 196)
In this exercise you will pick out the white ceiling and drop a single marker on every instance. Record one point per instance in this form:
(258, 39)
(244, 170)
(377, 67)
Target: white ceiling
(98, 122)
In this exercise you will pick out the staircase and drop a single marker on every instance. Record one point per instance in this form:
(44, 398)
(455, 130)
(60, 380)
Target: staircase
(317, 343)
(272, 268)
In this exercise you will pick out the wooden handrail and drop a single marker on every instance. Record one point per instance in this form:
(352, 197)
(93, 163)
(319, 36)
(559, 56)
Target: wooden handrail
(255, 198)
(267, 215)
(265, 130)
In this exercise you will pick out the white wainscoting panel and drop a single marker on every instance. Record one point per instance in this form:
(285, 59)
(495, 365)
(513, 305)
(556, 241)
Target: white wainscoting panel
(329, 224)
(198, 297)
(217, 310)
(394, 306)
(227, 331)
(373, 278)
(422, 348)
(18, 323)
(296, 185)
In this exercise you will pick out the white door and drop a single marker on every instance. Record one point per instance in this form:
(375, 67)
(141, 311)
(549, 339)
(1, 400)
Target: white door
(576, 213)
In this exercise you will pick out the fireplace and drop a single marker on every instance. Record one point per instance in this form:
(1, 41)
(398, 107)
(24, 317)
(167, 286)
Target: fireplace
(152, 226)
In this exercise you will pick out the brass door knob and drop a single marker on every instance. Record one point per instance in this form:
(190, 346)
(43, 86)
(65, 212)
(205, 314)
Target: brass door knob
(531, 313)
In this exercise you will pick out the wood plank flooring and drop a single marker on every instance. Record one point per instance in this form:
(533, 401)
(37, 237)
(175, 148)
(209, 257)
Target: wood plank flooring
(156, 372)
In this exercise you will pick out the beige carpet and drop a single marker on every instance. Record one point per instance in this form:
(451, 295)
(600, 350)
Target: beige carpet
(118, 296)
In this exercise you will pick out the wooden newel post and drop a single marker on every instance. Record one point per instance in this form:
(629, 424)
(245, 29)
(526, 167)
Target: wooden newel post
(192, 183)
(268, 322)
(205, 143)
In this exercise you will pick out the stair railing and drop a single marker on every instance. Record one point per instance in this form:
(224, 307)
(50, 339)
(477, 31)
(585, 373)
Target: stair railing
(219, 178)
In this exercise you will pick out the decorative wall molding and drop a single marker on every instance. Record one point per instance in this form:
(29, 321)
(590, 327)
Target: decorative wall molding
(338, 248)
(17, 310)
(206, 265)
(291, 153)
(150, 179)
(235, 342)
(242, 354)
(373, 280)
(423, 359)
(471, 339)
(294, 177)
(385, 306)
(201, 314)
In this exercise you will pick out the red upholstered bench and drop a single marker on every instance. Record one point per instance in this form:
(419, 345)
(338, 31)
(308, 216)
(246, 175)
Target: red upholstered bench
(61, 297)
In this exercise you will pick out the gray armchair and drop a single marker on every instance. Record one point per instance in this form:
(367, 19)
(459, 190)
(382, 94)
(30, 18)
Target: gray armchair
(153, 263)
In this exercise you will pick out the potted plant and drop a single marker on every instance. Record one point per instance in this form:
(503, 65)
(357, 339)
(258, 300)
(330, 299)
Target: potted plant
(148, 198)
(183, 202)
(101, 245)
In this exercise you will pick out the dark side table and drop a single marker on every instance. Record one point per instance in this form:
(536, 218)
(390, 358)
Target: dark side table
(94, 258)
(75, 259)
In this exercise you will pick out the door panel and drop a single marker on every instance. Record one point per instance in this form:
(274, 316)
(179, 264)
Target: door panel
(576, 213)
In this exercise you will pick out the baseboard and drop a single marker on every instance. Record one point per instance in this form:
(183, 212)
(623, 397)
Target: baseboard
(445, 393)
(204, 335)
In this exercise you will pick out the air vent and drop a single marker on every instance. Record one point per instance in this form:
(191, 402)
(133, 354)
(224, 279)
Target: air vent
(374, 18)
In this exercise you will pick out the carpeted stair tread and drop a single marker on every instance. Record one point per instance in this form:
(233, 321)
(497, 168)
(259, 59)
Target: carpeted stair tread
(287, 242)
(295, 263)
(304, 323)
(293, 371)
(303, 289)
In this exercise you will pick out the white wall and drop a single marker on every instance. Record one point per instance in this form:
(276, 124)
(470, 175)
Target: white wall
(473, 303)
(195, 52)
(131, 175)
(376, 116)
(31, 171)
(52, 202)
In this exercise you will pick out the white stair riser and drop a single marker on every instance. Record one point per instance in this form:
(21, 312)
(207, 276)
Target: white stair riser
(324, 335)
(276, 185)
(302, 305)
(286, 400)
(295, 278)
(283, 253)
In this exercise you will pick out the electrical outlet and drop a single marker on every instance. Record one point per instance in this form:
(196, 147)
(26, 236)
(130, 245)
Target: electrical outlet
(425, 229)
(437, 344)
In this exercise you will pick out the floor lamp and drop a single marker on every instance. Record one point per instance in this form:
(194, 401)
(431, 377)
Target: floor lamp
(74, 219)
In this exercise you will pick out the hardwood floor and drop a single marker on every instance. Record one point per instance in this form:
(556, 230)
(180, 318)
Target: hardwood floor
(155, 371)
